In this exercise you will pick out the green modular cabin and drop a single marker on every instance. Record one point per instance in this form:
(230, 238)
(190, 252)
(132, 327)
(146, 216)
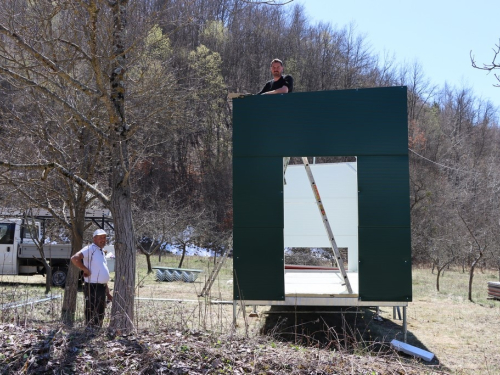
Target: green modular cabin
(370, 124)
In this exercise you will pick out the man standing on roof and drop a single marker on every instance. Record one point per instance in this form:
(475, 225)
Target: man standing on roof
(280, 84)
(92, 262)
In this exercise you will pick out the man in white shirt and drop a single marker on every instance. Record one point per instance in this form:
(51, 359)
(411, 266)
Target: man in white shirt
(92, 261)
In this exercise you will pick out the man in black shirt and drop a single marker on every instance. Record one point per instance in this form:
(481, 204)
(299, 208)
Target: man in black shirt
(280, 84)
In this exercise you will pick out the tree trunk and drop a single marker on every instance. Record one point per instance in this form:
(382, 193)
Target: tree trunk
(122, 312)
(183, 255)
(147, 254)
(48, 268)
(440, 271)
(71, 288)
(148, 261)
(471, 274)
(48, 275)
(437, 279)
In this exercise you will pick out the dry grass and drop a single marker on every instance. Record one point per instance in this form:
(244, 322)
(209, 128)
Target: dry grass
(463, 335)
(188, 333)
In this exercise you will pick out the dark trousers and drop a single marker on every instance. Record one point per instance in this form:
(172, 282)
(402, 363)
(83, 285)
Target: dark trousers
(95, 304)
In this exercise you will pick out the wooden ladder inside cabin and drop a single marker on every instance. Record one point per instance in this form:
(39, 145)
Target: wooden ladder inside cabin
(331, 238)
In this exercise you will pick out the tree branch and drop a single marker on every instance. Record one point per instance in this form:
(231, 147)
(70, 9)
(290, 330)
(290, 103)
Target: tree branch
(56, 97)
(47, 62)
(63, 171)
(489, 67)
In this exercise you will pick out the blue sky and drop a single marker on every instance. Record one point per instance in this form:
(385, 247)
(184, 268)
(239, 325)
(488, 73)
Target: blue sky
(438, 34)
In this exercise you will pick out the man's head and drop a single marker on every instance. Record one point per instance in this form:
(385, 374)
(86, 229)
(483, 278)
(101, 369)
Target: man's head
(276, 68)
(99, 238)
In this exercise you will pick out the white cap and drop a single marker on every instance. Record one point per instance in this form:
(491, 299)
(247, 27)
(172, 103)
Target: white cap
(99, 232)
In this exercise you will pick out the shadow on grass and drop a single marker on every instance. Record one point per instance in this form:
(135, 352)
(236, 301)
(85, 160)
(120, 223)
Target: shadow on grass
(342, 328)
(386, 330)
(320, 326)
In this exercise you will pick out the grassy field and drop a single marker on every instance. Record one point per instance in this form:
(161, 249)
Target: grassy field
(463, 335)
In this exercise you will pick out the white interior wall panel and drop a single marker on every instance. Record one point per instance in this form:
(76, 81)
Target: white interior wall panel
(338, 188)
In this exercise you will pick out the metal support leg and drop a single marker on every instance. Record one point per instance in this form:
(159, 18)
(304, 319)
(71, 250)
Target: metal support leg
(234, 313)
(377, 316)
(396, 312)
(405, 327)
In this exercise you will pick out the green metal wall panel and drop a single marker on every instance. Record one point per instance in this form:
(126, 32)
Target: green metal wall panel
(385, 264)
(259, 269)
(258, 183)
(258, 228)
(323, 123)
(384, 228)
(383, 186)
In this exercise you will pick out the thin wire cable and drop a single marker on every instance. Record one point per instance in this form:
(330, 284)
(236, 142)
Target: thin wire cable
(441, 165)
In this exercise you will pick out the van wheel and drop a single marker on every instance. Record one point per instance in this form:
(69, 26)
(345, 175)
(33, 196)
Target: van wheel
(59, 276)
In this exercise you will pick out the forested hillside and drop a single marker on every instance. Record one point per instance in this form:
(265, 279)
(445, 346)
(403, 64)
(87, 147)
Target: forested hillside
(183, 58)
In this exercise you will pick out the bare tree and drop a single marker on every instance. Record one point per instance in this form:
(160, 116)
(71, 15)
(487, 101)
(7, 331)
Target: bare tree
(74, 57)
(153, 225)
(489, 67)
(190, 228)
(45, 134)
(480, 243)
(442, 257)
(420, 90)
